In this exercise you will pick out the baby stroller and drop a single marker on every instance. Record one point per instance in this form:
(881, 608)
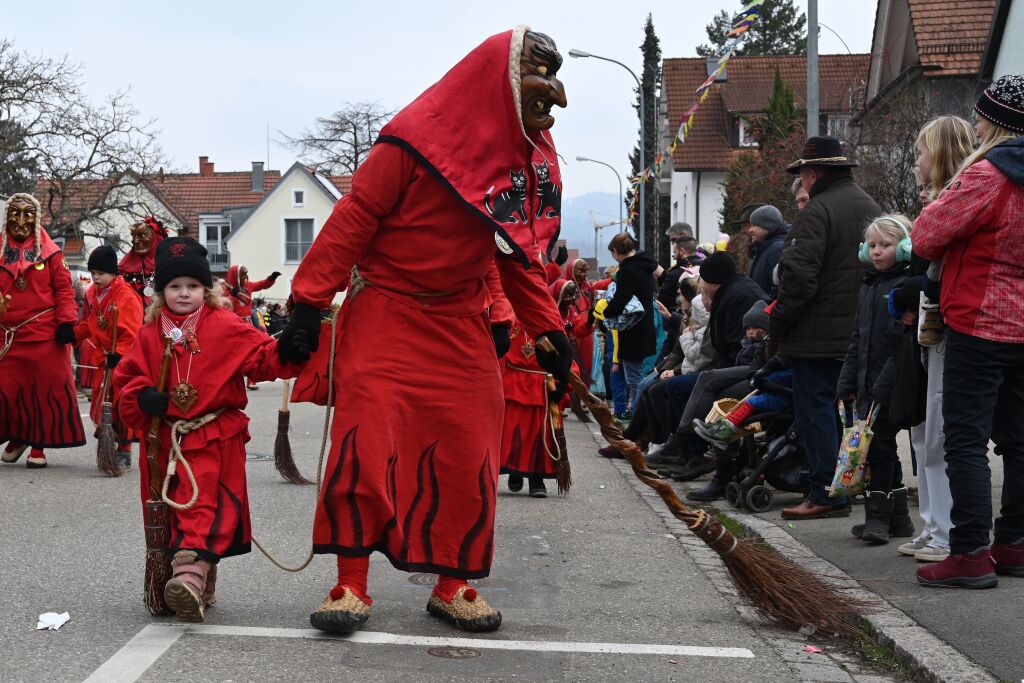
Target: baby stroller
(767, 453)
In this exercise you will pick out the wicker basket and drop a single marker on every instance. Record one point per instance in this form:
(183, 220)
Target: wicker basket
(722, 407)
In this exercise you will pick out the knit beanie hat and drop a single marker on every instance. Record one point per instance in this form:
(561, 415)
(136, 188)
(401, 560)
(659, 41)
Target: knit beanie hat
(1002, 103)
(718, 268)
(103, 259)
(178, 257)
(756, 317)
(767, 217)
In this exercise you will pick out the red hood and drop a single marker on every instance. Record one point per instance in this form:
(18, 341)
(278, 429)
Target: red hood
(232, 276)
(20, 256)
(133, 263)
(466, 129)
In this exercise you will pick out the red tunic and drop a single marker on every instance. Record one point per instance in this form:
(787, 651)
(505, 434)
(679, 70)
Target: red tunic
(414, 456)
(218, 525)
(38, 403)
(242, 304)
(129, 320)
(526, 440)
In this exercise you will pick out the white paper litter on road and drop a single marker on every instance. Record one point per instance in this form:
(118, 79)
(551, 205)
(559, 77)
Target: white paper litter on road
(51, 621)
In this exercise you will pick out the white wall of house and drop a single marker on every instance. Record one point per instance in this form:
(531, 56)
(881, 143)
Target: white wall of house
(259, 243)
(119, 221)
(684, 201)
(1011, 49)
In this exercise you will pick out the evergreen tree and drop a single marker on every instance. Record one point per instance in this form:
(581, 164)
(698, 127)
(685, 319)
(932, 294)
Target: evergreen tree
(778, 30)
(651, 50)
(18, 168)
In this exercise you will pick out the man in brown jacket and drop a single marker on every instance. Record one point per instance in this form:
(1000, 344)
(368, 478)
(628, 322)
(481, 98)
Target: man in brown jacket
(819, 275)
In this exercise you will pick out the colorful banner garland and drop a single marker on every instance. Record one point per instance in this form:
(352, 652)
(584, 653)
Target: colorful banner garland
(735, 36)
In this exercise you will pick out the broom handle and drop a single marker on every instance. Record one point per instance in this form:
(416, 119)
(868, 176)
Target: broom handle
(156, 476)
(108, 391)
(284, 399)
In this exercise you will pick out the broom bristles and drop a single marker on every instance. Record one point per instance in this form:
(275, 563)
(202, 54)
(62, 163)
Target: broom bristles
(563, 475)
(284, 461)
(106, 447)
(158, 573)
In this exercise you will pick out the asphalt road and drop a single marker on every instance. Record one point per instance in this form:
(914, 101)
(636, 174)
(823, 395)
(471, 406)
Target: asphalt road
(596, 566)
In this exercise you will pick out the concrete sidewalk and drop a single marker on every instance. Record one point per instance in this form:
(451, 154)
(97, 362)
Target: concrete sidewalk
(937, 632)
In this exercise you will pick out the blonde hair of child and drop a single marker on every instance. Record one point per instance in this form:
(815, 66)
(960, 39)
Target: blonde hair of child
(995, 136)
(211, 298)
(892, 227)
(949, 140)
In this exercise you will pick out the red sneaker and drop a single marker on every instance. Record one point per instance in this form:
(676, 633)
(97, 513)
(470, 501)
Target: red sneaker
(974, 570)
(1009, 558)
(36, 459)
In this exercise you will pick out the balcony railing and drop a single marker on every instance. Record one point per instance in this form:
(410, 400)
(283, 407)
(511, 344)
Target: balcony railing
(221, 259)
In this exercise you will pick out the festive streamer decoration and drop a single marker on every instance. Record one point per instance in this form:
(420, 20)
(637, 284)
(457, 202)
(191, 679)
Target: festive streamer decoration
(735, 38)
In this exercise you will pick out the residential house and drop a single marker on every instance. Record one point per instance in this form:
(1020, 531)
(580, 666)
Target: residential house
(1004, 55)
(721, 130)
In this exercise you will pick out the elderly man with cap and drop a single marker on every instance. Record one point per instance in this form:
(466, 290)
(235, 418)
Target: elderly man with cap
(819, 276)
(767, 232)
(684, 251)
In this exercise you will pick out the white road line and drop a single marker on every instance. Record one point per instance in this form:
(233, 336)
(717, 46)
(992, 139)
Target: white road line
(132, 660)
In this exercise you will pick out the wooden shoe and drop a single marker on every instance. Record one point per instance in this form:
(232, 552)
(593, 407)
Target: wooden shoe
(467, 611)
(184, 592)
(341, 612)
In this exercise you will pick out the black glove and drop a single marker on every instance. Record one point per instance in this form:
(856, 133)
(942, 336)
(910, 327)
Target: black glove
(65, 334)
(234, 291)
(499, 333)
(273, 276)
(590, 318)
(561, 256)
(846, 394)
(113, 359)
(557, 363)
(154, 402)
(297, 350)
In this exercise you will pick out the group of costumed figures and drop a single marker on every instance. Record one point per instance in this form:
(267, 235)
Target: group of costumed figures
(441, 239)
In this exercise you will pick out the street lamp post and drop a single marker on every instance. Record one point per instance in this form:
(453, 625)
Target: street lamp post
(617, 177)
(643, 137)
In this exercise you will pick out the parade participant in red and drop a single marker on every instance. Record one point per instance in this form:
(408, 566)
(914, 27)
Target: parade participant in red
(38, 403)
(414, 458)
(239, 288)
(585, 299)
(108, 293)
(206, 381)
(136, 266)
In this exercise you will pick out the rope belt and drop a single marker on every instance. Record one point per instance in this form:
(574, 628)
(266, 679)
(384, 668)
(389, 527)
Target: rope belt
(548, 424)
(179, 428)
(357, 283)
(9, 331)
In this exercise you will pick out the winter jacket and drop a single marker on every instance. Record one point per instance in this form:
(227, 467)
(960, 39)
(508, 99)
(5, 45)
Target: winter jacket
(635, 278)
(751, 354)
(732, 301)
(819, 271)
(668, 285)
(976, 227)
(873, 340)
(764, 256)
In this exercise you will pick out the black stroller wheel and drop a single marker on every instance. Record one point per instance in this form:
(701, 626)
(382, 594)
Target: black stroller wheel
(759, 498)
(734, 494)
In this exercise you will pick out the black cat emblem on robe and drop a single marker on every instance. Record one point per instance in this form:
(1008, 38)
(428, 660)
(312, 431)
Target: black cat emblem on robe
(549, 195)
(510, 205)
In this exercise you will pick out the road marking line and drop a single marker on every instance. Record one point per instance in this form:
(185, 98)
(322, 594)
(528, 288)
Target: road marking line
(138, 654)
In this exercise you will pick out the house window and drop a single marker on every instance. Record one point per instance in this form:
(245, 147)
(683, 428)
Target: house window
(838, 125)
(215, 234)
(298, 237)
(298, 198)
(746, 134)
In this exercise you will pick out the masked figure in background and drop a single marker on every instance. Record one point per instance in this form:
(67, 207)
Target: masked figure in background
(38, 403)
(238, 289)
(137, 265)
(448, 193)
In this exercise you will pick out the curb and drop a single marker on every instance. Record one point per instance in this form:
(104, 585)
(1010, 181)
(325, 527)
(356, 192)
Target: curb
(930, 658)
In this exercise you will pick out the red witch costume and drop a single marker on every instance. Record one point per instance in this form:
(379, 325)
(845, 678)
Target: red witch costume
(38, 402)
(584, 339)
(241, 303)
(137, 270)
(415, 449)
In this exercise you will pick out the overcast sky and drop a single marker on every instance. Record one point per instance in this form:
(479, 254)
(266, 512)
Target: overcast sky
(215, 73)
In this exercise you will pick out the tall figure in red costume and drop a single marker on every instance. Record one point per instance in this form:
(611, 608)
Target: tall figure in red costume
(447, 192)
(38, 404)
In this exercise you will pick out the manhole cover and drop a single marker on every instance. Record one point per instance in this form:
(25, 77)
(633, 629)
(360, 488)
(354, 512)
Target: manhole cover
(259, 456)
(453, 652)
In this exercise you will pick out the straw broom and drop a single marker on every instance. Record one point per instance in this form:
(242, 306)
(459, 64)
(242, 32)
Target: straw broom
(106, 447)
(779, 589)
(563, 474)
(284, 463)
(158, 523)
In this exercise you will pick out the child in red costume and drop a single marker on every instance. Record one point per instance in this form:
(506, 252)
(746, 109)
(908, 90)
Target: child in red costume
(38, 402)
(205, 381)
(415, 447)
(108, 292)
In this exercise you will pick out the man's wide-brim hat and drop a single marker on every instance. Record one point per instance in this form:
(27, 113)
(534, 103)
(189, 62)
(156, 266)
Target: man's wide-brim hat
(822, 152)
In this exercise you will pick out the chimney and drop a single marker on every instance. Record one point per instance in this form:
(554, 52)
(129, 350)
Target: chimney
(205, 166)
(257, 176)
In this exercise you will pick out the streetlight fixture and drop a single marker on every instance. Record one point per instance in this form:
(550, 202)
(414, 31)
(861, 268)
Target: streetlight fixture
(619, 178)
(643, 138)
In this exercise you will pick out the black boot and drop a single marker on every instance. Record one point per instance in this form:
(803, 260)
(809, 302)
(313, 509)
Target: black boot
(715, 488)
(901, 525)
(877, 514)
(669, 454)
(697, 465)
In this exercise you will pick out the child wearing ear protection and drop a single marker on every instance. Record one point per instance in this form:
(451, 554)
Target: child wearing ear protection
(867, 376)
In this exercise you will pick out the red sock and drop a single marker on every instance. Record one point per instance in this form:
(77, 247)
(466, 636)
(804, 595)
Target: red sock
(740, 413)
(448, 586)
(352, 575)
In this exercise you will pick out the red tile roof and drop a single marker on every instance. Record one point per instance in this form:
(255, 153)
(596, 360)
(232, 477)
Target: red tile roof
(342, 182)
(952, 34)
(747, 90)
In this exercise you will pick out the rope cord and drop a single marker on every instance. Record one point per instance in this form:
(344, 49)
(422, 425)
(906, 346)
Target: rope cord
(549, 426)
(9, 331)
(180, 428)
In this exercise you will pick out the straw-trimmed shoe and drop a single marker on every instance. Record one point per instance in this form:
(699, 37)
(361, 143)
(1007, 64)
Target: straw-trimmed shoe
(341, 612)
(468, 611)
(12, 452)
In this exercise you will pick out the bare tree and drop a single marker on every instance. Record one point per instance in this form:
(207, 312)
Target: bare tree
(337, 144)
